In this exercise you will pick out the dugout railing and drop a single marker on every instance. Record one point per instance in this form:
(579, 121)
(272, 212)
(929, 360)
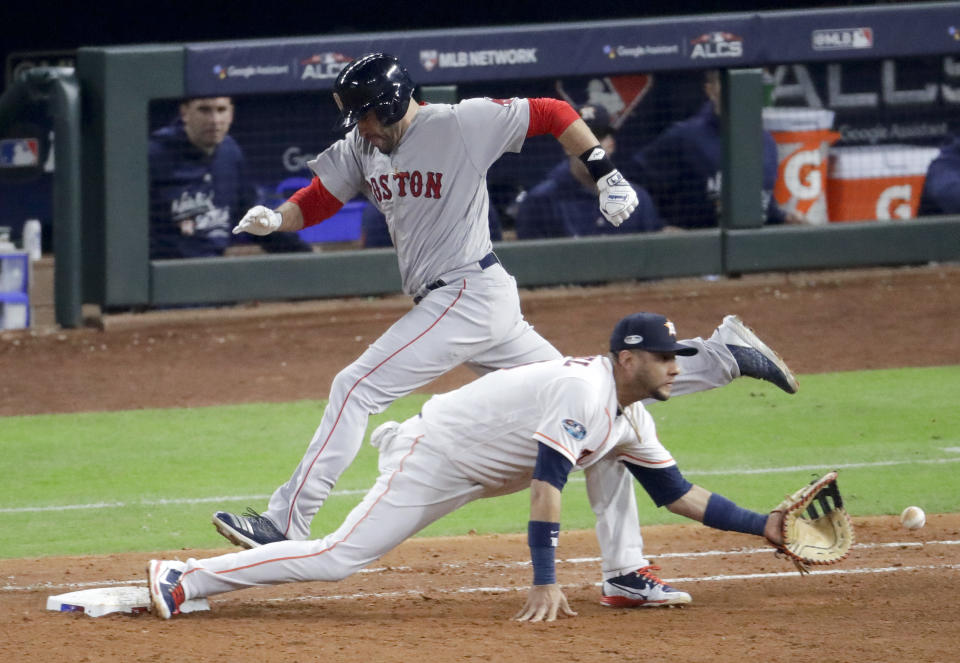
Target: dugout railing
(118, 83)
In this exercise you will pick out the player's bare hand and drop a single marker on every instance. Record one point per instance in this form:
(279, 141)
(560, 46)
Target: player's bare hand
(259, 220)
(617, 197)
(544, 603)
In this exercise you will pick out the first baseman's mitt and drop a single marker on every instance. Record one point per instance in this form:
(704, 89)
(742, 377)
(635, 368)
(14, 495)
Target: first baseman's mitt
(816, 528)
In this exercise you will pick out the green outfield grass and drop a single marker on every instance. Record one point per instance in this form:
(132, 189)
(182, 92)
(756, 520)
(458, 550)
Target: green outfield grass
(150, 479)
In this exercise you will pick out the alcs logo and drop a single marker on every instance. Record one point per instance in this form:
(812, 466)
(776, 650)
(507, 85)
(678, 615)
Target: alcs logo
(713, 45)
(323, 65)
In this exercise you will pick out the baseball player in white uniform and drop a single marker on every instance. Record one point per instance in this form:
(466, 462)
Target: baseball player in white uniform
(424, 167)
(528, 426)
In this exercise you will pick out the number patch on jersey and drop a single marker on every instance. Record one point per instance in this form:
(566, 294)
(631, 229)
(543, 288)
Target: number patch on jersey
(574, 429)
(579, 361)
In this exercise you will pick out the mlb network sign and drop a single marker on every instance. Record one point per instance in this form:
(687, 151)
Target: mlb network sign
(431, 59)
(842, 39)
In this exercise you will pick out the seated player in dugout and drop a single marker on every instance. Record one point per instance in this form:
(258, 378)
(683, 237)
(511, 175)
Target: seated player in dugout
(941, 188)
(681, 168)
(200, 186)
(518, 428)
(564, 203)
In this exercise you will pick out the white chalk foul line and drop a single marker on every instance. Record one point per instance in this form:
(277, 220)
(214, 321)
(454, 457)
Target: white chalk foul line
(503, 590)
(711, 553)
(521, 588)
(571, 560)
(361, 491)
(821, 466)
(139, 581)
(819, 572)
(177, 501)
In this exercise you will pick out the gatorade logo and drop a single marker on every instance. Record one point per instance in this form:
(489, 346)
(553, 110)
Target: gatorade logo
(802, 171)
(894, 203)
(803, 174)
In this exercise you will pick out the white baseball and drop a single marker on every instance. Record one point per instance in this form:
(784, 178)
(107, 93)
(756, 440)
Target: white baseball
(913, 517)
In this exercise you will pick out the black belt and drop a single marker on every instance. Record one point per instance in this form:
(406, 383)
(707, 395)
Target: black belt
(484, 262)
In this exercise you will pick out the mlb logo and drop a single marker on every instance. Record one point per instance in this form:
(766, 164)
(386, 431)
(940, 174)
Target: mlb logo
(428, 59)
(863, 38)
(19, 152)
(618, 95)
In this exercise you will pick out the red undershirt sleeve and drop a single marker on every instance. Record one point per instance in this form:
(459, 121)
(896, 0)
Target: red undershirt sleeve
(550, 116)
(315, 203)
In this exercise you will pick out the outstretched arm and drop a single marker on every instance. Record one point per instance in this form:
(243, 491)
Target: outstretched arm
(308, 206)
(718, 512)
(261, 220)
(669, 488)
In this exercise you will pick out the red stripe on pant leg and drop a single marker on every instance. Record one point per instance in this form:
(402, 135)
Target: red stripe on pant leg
(359, 380)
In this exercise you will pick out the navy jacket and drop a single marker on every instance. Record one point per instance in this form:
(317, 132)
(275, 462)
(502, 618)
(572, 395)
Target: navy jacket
(560, 206)
(214, 191)
(681, 170)
(941, 189)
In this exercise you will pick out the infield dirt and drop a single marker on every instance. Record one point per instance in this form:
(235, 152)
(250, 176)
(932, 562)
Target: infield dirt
(428, 602)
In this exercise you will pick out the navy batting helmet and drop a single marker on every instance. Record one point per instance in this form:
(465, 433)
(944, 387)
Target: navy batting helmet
(376, 82)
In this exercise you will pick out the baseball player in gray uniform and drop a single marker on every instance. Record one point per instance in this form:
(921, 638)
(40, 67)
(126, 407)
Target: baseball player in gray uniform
(528, 426)
(424, 167)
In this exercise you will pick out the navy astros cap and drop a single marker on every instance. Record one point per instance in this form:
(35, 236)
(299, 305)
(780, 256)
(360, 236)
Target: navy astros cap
(647, 331)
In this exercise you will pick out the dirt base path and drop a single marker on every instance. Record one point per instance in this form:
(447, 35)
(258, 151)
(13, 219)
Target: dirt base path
(451, 599)
(819, 322)
(894, 600)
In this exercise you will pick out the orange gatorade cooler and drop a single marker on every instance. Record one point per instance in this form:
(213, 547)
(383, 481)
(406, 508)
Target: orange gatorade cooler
(803, 136)
(881, 182)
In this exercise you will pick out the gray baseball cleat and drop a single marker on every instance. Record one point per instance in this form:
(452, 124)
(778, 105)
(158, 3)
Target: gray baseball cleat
(754, 357)
(249, 530)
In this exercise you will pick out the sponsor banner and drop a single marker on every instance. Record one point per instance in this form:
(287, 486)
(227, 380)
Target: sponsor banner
(702, 43)
(274, 66)
(877, 32)
(454, 57)
(573, 49)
